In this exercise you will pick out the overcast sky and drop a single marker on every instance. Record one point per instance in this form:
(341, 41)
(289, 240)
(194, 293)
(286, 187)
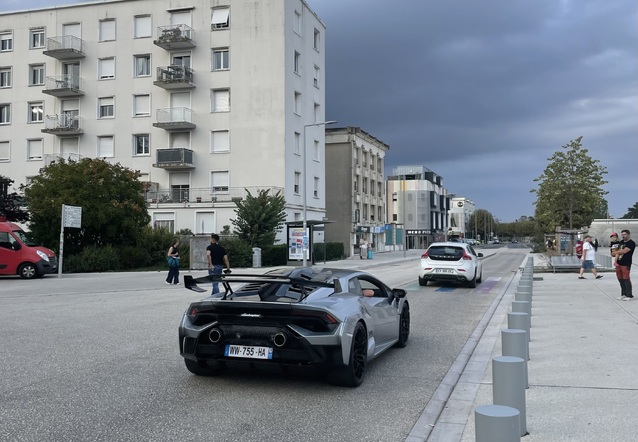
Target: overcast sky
(484, 92)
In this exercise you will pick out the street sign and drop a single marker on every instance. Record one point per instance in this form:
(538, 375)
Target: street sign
(71, 216)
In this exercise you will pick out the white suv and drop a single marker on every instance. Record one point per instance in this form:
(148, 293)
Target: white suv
(451, 261)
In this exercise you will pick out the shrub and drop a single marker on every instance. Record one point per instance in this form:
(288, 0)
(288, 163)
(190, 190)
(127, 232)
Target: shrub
(93, 259)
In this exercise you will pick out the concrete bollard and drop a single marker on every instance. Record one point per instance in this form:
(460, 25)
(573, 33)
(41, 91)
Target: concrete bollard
(508, 386)
(523, 296)
(519, 321)
(496, 423)
(525, 289)
(523, 307)
(515, 343)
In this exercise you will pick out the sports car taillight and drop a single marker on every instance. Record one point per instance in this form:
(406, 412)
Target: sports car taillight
(324, 316)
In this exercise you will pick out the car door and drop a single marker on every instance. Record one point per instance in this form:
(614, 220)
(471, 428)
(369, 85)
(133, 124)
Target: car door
(384, 313)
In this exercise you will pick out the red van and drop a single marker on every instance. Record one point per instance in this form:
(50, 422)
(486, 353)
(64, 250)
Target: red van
(20, 256)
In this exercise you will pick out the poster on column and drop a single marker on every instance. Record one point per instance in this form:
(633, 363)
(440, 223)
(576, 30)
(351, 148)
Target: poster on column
(297, 242)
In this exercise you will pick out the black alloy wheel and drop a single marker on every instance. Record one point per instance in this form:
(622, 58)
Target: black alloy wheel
(352, 375)
(404, 327)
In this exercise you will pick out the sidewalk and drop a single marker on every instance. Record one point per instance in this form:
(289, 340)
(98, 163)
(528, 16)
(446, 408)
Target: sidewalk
(583, 385)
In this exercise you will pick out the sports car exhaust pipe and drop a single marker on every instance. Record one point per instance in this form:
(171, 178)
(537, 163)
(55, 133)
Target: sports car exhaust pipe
(215, 335)
(279, 339)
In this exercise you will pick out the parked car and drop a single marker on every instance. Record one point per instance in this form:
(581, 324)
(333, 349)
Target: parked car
(336, 319)
(454, 262)
(21, 256)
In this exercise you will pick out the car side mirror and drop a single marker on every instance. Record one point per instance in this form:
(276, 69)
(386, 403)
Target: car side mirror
(398, 293)
(480, 255)
(16, 246)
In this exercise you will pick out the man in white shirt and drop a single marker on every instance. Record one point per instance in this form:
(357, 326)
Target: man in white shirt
(589, 255)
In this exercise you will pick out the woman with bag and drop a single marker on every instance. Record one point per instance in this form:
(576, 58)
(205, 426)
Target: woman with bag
(173, 263)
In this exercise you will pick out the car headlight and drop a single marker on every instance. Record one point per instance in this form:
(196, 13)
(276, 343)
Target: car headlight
(42, 255)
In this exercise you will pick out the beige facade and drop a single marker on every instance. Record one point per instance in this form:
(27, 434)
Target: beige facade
(461, 209)
(206, 98)
(355, 165)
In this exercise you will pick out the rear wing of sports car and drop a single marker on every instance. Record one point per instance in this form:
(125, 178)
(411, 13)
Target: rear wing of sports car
(263, 284)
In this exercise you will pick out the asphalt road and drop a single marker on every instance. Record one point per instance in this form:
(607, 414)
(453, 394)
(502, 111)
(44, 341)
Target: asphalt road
(95, 358)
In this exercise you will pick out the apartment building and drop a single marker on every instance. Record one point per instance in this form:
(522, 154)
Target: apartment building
(418, 201)
(355, 164)
(461, 210)
(208, 99)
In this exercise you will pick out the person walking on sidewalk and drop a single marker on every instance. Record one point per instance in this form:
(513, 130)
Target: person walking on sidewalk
(624, 254)
(589, 255)
(217, 258)
(173, 263)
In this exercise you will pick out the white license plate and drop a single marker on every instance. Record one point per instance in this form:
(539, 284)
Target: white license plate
(247, 351)
(444, 270)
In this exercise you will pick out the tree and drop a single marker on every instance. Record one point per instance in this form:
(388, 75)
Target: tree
(481, 224)
(570, 188)
(259, 218)
(11, 203)
(111, 196)
(632, 212)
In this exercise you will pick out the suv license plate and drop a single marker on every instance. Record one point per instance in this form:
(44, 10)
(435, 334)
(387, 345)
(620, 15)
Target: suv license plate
(246, 351)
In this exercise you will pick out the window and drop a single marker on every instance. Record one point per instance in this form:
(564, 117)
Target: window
(315, 79)
(315, 112)
(221, 59)
(220, 100)
(315, 187)
(5, 151)
(141, 144)
(142, 65)
(315, 151)
(36, 74)
(106, 30)
(297, 63)
(143, 26)
(105, 107)
(296, 25)
(219, 141)
(36, 38)
(106, 68)
(297, 103)
(220, 19)
(316, 40)
(297, 183)
(105, 147)
(36, 112)
(34, 149)
(297, 143)
(219, 181)
(141, 105)
(5, 77)
(6, 41)
(181, 59)
(5, 113)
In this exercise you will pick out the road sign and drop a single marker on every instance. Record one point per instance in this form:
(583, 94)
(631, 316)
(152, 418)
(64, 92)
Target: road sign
(71, 216)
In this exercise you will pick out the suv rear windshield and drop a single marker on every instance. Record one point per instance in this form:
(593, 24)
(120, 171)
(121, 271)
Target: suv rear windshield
(445, 253)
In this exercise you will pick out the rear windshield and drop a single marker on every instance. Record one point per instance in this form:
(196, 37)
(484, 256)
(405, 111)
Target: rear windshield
(449, 253)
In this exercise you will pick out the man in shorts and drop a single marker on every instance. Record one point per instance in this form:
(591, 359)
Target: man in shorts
(588, 257)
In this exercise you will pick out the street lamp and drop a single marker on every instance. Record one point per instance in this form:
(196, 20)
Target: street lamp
(305, 190)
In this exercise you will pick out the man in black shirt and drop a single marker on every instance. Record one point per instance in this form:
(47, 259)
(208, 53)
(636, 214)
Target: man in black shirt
(624, 254)
(217, 258)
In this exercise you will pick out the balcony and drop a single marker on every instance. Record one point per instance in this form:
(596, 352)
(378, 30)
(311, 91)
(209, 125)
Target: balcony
(175, 118)
(174, 77)
(174, 37)
(66, 47)
(64, 156)
(63, 125)
(64, 86)
(206, 196)
(177, 158)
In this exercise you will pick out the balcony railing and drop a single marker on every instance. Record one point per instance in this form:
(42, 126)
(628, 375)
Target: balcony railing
(174, 158)
(174, 37)
(208, 196)
(66, 85)
(174, 77)
(175, 118)
(64, 124)
(51, 158)
(66, 47)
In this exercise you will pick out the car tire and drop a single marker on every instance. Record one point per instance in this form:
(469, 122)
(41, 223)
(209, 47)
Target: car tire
(28, 271)
(423, 282)
(480, 278)
(352, 375)
(404, 327)
(472, 283)
(202, 368)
